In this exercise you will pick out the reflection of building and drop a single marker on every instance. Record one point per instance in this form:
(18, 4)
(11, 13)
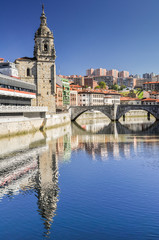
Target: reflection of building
(47, 185)
(17, 171)
(33, 168)
(113, 140)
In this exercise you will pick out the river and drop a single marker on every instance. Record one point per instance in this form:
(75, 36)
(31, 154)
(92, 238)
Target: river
(91, 180)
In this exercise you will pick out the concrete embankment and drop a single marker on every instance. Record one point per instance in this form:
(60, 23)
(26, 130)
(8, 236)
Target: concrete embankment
(10, 126)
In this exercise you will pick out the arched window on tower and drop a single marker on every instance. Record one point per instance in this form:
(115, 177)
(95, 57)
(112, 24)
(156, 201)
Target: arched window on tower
(45, 47)
(28, 72)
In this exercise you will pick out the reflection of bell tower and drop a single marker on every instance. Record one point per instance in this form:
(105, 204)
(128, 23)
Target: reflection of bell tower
(47, 188)
(44, 53)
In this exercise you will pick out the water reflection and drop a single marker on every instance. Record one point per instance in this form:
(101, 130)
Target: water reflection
(31, 162)
(47, 185)
(115, 139)
(139, 125)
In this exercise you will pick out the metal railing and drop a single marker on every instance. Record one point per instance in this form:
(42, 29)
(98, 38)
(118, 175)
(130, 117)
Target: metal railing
(15, 109)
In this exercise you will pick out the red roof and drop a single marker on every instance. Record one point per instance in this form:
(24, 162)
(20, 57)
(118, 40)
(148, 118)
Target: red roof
(150, 82)
(129, 99)
(58, 86)
(75, 86)
(149, 100)
(99, 91)
(154, 92)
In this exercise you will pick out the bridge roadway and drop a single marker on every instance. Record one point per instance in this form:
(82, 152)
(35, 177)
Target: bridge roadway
(114, 112)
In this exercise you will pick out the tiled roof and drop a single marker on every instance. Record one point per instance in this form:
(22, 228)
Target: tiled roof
(149, 100)
(99, 91)
(75, 86)
(151, 82)
(25, 58)
(57, 85)
(154, 92)
(129, 99)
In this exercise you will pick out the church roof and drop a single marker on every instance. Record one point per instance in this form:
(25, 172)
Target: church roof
(26, 58)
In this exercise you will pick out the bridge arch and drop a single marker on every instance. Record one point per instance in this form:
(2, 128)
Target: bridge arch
(122, 110)
(77, 111)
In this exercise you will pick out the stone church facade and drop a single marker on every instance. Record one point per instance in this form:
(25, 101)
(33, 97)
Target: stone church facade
(41, 69)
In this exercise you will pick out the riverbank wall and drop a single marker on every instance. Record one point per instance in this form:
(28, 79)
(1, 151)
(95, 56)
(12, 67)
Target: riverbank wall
(10, 126)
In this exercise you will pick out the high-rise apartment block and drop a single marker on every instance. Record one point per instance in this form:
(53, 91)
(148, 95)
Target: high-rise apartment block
(148, 75)
(90, 72)
(100, 72)
(123, 74)
(127, 82)
(113, 73)
(96, 72)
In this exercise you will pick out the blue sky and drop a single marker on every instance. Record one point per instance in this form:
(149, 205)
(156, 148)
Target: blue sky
(120, 34)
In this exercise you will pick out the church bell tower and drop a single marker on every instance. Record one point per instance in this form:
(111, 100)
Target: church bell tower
(45, 55)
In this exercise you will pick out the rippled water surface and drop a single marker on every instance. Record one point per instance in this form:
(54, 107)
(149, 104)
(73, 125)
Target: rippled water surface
(90, 180)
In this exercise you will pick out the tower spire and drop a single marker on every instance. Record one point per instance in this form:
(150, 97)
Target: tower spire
(43, 17)
(43, 8)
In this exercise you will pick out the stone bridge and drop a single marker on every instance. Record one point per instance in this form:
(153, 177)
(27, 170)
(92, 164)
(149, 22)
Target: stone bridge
(114, 112)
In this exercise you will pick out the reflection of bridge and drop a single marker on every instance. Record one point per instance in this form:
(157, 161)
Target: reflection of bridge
(118, 128)
(114, 112)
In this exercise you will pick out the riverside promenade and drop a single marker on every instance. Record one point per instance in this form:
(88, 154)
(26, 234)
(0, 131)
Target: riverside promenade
(16, 120)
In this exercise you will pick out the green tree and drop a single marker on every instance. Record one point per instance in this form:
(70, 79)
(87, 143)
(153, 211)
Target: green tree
(97, 87)
(102, 85)
(115, 87)
(122, 87)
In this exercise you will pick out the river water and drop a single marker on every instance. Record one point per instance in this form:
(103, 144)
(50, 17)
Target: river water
(92, 180)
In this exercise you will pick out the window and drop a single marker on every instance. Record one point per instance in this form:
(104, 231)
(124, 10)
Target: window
(28, 72)
(45, 47)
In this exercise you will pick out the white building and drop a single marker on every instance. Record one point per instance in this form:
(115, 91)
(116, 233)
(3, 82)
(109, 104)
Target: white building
(91, 98)
(8, 68)
(112, 98)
